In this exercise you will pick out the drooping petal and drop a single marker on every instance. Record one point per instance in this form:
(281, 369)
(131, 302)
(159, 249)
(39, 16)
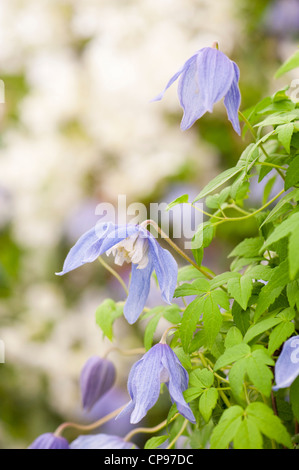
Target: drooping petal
(49, 441)
(178, 382)
(215, 76)
(101, 441)
(97, 378)
(232, 100)
(87, 248)
(138, 291)
(144, 385)
(190, 95)
(174, 78)
(166, 269)
(287, 365)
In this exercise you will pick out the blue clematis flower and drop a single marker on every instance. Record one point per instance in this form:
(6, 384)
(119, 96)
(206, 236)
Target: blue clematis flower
(207, 77)
(128, 243)
(159, 365)
(101, 441)
(49, 441)
(287, 365)
(96, 379)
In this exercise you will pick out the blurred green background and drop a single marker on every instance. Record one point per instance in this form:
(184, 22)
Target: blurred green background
(78, 129)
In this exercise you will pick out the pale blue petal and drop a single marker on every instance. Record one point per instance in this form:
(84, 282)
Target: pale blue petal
(87, 248)
(166, 269)
(144, 384)
(232, 101)
(174, 78)
(190, 95)
(215, 76)
(138, 291)
(178, 382)
(287, 365)
(101, 441)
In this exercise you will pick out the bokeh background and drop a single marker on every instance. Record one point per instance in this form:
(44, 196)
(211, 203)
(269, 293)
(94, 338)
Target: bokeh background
(78, 129)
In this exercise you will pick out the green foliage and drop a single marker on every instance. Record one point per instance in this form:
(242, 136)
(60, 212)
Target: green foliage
(231, 331)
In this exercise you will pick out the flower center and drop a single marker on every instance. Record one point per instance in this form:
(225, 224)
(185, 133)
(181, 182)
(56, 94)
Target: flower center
(131, 250)
(164, 375)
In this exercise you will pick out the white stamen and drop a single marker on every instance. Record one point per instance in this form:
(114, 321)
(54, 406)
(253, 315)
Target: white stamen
(131, 250)
(164, 375)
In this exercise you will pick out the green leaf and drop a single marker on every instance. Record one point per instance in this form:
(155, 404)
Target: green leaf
(212, 318)
(279, 118)
(292, 174)
(227, 427)
(179, 200)
(222, 279)
(205, 377)
(268, 188)
(200, 286)
(288, 65)
(106, 314)
(203, 236)
(281, 206)
(233, 337)
(232, 354)
(284, 134)
(172, 314)
(155, 442)
(294, 394)
(236, 379)
(261, 327)
(188, 273)
(279, 335)
(248, 247)
(248, 435)
(189, 321)
(258, 372)
(278, 280)
(240, 289)
(269, 424)
(293, 254)
(219, 180)
(293, 293)
(289, 225)
(241, 317)
(150, 331)
(207, 402)
(183, 357)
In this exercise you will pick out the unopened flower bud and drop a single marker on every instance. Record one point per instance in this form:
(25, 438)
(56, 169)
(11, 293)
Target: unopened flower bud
(97, 377)
(49, 441)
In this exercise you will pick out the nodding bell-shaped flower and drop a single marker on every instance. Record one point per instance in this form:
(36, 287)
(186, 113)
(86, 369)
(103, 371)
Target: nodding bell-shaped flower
(101, 441)
(49, 441)
(132, 244)
(207, 77)
(97, 378)
(287, 365)
(159, 365)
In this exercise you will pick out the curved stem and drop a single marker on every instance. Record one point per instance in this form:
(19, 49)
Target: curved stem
(273, 165)
(145, 430)
(125, 352)
(178, 435)
(175, 247)
(164, 336)
(88, 427)
(253, 133)
(251, 213)
(114, 273)
(212, 216)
